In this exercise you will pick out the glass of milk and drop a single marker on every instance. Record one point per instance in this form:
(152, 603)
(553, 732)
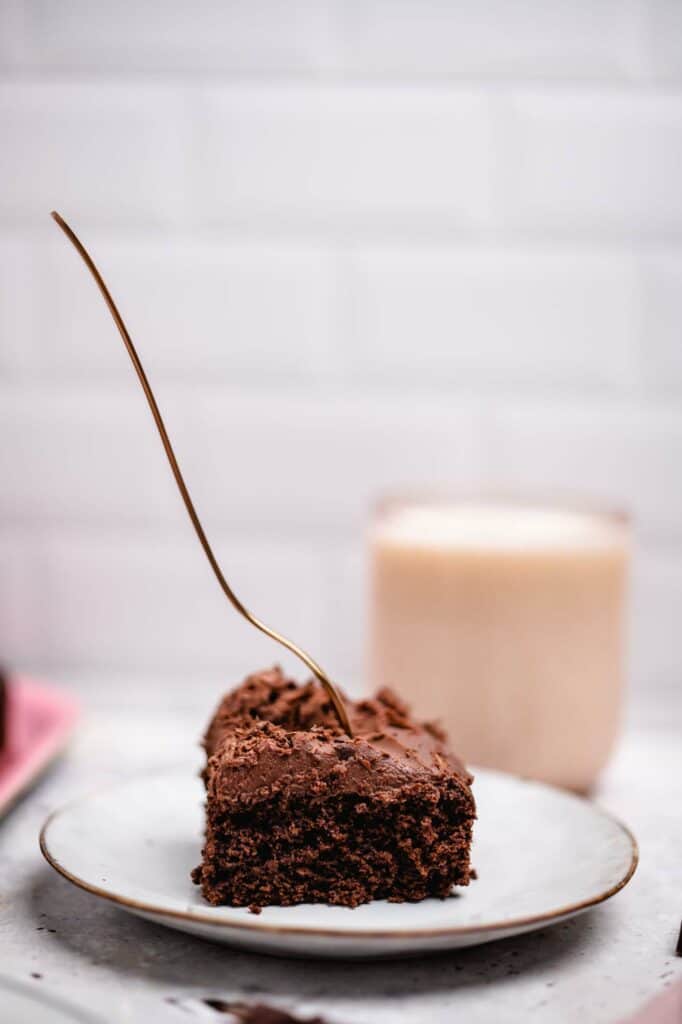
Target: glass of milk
(505, 620)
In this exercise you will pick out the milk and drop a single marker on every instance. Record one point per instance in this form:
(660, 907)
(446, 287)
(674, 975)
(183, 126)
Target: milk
(506, 622)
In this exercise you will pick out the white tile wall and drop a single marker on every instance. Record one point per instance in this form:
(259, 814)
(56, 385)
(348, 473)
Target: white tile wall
(21, 599)
(531, 39)
(362, 246)
(103, 149)
(342, 156)
(665, 38)
(589, 162)
(210, 309)
(620, 454)
(137, 602)
(175, 37)
(477, 318)
(662, 317)
(18, 314)
(657, 598)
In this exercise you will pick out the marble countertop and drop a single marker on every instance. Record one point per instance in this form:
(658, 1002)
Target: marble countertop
(599, 967)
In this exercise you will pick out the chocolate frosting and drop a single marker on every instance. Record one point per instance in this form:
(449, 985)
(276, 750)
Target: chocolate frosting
(271, 735)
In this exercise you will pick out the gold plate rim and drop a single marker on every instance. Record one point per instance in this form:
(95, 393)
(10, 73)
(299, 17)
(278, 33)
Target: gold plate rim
(261, 927)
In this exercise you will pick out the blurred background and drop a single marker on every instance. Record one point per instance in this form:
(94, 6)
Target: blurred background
(362, 247)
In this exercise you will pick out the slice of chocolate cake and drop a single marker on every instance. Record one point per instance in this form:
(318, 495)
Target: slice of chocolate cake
(299, 813)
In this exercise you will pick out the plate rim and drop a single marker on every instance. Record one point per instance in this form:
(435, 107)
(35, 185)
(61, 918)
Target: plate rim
(261, 927)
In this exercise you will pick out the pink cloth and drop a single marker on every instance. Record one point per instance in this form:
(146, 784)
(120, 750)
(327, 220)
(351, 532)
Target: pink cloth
(40, 721)
(664, 1009)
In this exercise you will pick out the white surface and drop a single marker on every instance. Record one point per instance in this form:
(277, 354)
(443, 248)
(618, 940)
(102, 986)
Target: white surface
(361, 246)
(596, 968)
(136, 844)
(21, 1003)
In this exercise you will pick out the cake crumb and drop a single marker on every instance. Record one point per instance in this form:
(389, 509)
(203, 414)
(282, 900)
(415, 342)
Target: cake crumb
(258, 1013)
(255, 909)
(220, 1006)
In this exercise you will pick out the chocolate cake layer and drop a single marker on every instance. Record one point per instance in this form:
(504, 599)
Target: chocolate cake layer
(298, 812)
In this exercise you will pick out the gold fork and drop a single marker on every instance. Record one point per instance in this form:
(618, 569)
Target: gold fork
(316, 669)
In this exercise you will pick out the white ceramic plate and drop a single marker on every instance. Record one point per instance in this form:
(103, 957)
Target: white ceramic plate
(542, 855)
(21, 1003)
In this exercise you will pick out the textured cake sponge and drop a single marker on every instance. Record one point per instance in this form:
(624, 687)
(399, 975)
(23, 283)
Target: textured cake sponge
(297, 812)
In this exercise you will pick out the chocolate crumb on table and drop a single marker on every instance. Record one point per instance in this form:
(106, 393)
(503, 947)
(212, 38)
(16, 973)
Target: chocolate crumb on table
(259, 1013)
(298, 812)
